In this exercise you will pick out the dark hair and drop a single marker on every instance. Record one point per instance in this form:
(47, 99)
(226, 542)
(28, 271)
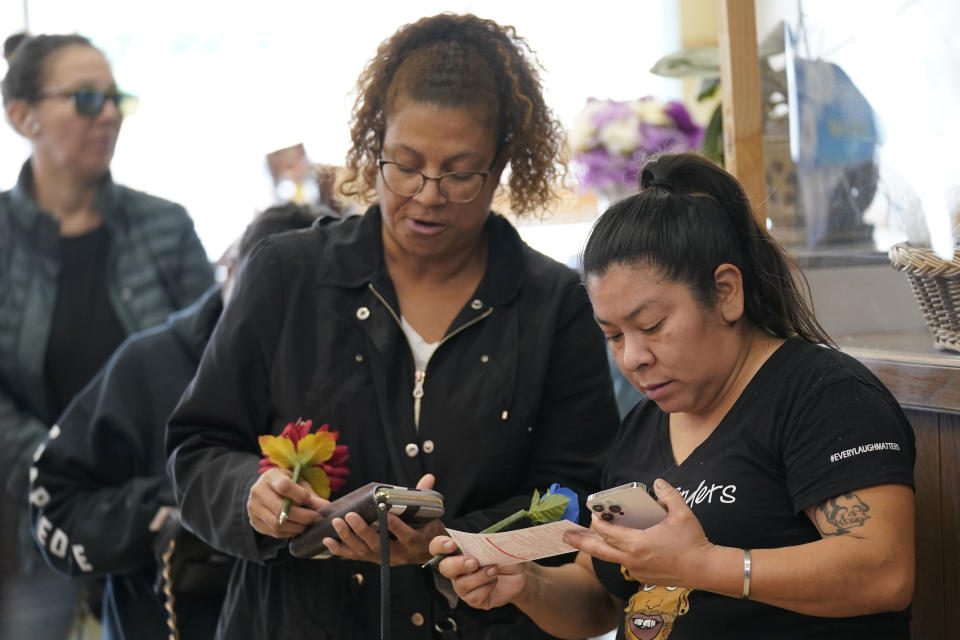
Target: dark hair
(455, 61)
(11, 43)
(690, 217)
(275, 219)
(26, 56)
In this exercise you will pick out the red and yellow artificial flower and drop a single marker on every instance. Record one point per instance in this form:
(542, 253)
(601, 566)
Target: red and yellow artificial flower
(315, 456)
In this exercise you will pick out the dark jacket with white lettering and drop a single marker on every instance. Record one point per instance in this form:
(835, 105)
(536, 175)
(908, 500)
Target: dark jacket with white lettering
(156, 266)
(100, 479)
(517, 396)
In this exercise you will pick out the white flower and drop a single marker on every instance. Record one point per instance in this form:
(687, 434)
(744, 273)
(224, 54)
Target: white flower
(651, 112)
(621, 136)
(583, 132)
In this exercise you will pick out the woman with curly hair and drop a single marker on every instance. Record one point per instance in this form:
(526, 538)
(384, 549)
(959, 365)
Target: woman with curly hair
(426, 332)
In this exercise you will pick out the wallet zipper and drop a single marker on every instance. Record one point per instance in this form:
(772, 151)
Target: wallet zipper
(393, 494)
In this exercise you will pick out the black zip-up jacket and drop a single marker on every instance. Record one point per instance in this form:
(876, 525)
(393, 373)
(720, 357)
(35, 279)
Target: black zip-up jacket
(516, 396)
(100, 479)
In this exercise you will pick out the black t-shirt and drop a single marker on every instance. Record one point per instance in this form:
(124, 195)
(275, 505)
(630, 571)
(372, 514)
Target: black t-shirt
(813, 423)
(85, 329)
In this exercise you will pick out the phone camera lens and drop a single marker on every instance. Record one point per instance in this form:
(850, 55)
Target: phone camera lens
(598, 508)
(607, 516)
(615, 508)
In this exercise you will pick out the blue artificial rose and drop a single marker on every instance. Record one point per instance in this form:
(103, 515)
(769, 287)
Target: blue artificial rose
(572, 512)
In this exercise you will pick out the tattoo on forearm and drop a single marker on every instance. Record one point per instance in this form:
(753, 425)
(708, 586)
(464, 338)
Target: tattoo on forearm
(838, 515)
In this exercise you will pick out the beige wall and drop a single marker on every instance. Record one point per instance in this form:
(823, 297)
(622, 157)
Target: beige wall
(699, 24)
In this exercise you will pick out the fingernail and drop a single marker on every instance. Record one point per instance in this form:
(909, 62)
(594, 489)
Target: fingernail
(660, 483)
(491, 571)
(471, 564)
(449, 546)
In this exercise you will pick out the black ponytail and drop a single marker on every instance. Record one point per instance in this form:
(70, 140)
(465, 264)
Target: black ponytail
(690, 217)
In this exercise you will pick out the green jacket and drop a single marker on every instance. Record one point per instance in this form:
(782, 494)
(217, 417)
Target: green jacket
(157, 265)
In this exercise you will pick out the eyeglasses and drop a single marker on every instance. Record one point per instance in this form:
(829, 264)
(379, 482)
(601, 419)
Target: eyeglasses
(90, 103)
(457, 186)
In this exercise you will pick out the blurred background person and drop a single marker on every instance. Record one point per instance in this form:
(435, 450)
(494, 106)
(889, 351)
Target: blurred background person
(8, 551)
(296, 179)
(84, 262)
(425, 331)
(103, 478)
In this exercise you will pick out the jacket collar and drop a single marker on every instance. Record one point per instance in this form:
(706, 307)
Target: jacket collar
(353, 256)
(106, 202)
(193, 324)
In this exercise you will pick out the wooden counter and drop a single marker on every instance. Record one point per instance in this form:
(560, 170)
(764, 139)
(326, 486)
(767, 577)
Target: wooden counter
(919, 375)
(926, 382)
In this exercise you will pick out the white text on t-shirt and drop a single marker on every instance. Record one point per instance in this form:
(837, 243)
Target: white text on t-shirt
(704, 493)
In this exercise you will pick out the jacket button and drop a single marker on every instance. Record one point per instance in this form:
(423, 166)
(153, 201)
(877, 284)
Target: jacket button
(484, 358)
(363, 313)
(477, 304)
(504, 415)
(428, 446)
(357, 579)
(358, 357)
(417, 619)
(412, 450)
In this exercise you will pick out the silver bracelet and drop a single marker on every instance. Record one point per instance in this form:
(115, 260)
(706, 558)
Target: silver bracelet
(746, 575)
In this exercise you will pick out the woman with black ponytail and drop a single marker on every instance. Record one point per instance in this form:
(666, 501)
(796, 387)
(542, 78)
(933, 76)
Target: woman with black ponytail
(785, 467)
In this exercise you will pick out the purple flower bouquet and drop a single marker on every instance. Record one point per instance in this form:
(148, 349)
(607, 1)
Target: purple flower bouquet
(612, 139)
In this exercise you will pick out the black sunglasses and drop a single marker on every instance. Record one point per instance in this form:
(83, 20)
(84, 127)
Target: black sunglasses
(90, 103)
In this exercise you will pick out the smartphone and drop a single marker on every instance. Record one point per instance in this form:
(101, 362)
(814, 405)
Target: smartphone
(414, 506)
(629, 505)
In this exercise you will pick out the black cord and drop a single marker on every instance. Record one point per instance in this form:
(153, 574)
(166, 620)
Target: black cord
(384, 572)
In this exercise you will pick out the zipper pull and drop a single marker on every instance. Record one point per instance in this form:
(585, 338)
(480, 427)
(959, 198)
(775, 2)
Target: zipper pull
(418, 378)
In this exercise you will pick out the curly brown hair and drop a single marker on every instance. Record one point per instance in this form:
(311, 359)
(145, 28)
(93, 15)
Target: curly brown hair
(455, 61)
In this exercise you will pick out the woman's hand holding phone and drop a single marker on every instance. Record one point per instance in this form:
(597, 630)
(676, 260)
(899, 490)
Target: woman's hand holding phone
(671, 552)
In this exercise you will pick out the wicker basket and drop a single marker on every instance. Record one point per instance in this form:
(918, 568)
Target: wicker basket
(936, 284)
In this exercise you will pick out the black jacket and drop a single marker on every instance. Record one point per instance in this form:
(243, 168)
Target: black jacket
(100, 479)
(517, 396)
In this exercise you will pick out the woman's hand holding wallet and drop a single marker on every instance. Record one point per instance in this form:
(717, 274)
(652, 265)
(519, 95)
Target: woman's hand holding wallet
(347, 527)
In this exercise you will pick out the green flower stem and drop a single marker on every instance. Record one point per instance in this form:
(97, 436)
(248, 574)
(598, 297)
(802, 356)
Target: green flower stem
(287, 501)
(506, 522)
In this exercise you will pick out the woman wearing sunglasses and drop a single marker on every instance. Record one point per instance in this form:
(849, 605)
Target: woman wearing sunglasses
(425, 331)
(84, 262)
